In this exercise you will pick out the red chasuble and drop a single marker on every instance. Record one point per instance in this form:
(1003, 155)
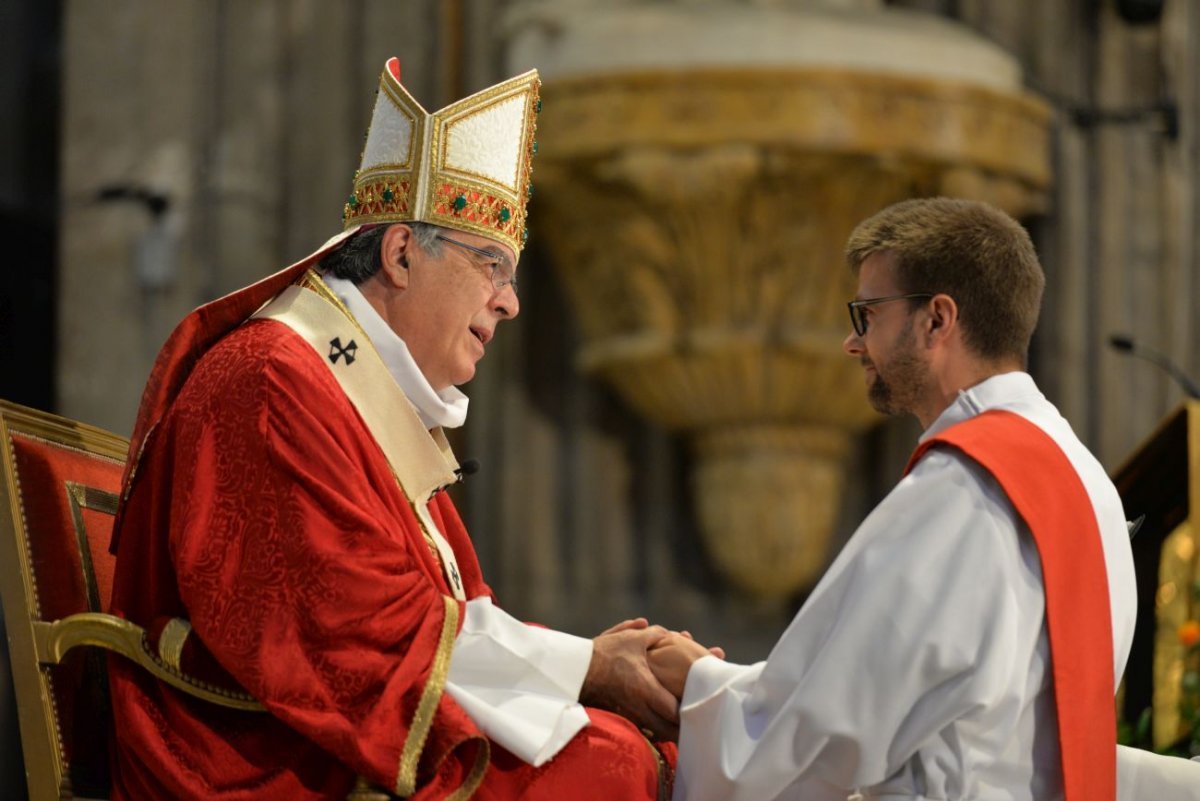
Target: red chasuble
(1047, 493)
(260, 509)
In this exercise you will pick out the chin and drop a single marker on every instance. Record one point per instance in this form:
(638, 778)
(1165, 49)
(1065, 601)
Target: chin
(880, 399)
(462, 376)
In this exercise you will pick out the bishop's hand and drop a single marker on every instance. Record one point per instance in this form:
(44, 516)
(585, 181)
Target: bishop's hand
(619, 679)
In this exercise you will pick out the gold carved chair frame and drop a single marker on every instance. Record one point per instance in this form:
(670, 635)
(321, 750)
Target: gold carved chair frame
(40, 644)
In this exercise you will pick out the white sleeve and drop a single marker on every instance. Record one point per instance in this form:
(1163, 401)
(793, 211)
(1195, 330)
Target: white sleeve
(1145, 776)
(906, 632)
(518, 683)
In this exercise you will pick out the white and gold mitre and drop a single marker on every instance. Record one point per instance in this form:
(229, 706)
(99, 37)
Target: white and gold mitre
(466, 166)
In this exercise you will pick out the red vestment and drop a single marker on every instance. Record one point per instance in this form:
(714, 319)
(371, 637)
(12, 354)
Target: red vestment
(261, 510)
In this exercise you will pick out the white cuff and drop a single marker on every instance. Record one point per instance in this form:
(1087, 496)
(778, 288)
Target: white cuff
(709, 675)
(519, 684)
(1145, 776)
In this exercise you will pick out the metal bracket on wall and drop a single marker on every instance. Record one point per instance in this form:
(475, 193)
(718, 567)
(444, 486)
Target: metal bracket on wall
(1166, 113)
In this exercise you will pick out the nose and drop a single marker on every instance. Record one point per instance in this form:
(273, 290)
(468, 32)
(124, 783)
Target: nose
(852, 344)
(505, 302)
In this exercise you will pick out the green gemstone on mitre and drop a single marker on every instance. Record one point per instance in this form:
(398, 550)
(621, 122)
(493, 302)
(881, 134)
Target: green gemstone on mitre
(535, 147)
(388, 196)
(460, 202)
(353, 201)
(538, 109)
(505, 214)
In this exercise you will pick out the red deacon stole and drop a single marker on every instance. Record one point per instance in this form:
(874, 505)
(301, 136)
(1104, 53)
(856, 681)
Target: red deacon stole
(1047, 493)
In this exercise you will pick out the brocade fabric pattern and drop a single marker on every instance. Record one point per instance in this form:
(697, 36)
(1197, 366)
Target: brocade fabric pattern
(265, 514)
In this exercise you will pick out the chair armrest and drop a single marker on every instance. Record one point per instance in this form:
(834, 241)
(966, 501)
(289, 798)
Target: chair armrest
(52, 641)
(363, 791)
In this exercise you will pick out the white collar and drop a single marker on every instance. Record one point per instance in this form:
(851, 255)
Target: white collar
(447, 408)
(995, 391)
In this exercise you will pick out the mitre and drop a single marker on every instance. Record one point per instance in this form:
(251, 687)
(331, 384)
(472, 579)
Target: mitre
(466, 166)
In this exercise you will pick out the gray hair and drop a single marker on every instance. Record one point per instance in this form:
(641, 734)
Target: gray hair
(357, 259)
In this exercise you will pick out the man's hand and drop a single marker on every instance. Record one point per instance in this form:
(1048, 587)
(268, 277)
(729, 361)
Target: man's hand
(672, 658)
(619, 679)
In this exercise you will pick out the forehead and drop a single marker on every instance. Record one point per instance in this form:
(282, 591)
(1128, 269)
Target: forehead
(877, 276)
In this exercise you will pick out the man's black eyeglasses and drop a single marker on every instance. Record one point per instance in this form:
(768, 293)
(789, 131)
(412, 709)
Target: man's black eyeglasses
(503, 273)
(858, 317)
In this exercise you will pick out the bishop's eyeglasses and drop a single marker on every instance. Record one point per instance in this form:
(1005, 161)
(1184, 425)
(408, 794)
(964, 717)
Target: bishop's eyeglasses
(501, 268)
(858, 315)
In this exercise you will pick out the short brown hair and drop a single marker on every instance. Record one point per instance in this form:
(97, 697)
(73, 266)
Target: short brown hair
(972, 252)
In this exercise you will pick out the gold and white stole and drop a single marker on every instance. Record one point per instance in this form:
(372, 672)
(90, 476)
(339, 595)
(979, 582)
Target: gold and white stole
(421, 460)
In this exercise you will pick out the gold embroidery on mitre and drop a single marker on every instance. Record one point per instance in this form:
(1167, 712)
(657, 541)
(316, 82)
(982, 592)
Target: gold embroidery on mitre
(467, 166)
(385, 198)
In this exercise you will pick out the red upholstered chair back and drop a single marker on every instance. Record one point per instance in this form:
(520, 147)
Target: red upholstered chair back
(58, 495)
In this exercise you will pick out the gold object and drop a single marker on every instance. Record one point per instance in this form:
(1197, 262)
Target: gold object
(171, 641)
(406, 778)
(475, 778)
(466, 166)
(422, 463)
(38, 646)
(764, 497)
(696, 218)
(1160, 480)
(1173, 607)
(54, 640)
(363, 791)
(80, 497)
(1178, 573)
(421, 459)
(52, 448)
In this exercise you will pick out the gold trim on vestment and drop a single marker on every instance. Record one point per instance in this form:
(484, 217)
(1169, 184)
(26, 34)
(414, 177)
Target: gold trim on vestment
(431, 473)
(420, 461)
(665, 776)
(431, 696)
(312, 280)
(472, 782)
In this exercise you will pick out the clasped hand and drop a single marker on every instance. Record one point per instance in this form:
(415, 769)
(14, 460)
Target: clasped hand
(639, 671)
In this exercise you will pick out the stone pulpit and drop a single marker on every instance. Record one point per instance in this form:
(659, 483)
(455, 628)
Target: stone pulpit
(700, 167)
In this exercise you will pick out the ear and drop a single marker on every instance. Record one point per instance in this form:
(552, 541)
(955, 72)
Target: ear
(394, 250)
(943, 319)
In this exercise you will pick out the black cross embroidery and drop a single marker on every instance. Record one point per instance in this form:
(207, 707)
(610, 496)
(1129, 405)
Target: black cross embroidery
(454, 575)
(336, 349)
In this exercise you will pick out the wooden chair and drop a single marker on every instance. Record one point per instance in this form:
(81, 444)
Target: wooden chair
(59, 484)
